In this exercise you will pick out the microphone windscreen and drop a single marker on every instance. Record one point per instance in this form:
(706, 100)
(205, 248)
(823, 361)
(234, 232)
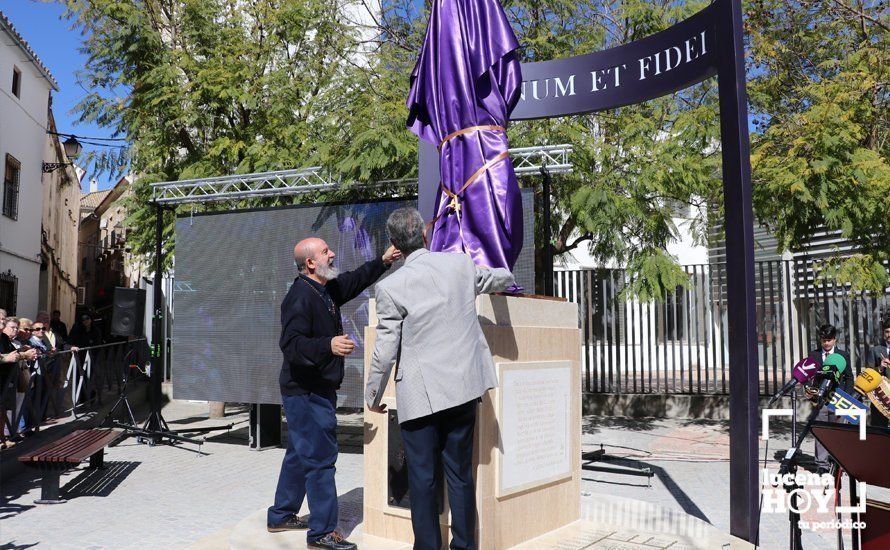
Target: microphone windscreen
(835, 360)
(804, 370)
(880, 397)
(868, 380)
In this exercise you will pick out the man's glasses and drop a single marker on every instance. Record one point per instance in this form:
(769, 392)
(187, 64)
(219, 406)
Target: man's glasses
(38, 329)
(26, 329)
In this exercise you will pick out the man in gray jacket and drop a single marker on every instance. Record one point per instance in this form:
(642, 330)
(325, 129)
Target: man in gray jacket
(427, 322)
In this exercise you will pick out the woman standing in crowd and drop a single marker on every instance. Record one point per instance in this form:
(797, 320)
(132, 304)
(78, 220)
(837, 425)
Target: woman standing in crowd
(10, 357)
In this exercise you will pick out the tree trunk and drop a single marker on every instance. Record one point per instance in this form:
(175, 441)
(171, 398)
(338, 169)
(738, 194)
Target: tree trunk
(217, 409)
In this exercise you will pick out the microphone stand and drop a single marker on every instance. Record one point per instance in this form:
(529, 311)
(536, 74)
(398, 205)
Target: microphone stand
(789, 464)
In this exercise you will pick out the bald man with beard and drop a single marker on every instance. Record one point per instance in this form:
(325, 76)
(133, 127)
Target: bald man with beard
(314, 347)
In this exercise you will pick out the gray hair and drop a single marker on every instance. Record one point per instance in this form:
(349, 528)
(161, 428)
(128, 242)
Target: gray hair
(405, 228)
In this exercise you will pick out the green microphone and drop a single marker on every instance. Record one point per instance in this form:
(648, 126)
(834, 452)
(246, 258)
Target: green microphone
(835, 361)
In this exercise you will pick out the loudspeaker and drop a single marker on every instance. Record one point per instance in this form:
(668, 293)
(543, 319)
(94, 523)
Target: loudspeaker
(129, 312)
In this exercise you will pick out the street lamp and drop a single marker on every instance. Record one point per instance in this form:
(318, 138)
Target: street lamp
(72, 151)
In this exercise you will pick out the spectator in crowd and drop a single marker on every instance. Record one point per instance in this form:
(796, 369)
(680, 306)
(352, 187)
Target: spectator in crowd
(9, 345)
(58, 326)
(53, 339)
(48, 335)
(37, 339)
(85, 333)
(10, 357)
(29, 369)
(53, 365)
(828, 341)
(24, 334)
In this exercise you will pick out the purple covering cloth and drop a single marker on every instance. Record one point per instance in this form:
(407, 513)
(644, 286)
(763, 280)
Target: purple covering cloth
(468, 75)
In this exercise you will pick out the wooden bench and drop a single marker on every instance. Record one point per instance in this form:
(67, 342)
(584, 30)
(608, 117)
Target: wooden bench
(63, 454)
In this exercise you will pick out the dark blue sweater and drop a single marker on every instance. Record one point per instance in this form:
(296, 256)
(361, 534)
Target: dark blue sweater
(308, 325)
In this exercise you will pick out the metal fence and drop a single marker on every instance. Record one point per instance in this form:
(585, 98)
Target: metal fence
(63, 384)
(679, 345)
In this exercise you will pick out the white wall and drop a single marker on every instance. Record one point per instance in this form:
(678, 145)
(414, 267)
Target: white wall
(61, 208)
(23, 135)
(683, 248)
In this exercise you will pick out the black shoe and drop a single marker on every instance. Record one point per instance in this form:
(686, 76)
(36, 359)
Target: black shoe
(292, 523)
(333, 541)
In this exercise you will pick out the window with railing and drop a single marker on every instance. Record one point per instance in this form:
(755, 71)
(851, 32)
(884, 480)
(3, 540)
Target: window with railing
(11, 187)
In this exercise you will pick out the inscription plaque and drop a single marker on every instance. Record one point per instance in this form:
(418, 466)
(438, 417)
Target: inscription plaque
(534, 415)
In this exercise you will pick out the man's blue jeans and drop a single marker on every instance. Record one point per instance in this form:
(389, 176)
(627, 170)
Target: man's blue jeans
(309, 463)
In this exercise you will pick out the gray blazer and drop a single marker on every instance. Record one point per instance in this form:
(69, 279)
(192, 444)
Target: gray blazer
(427, 322)
(878, 352)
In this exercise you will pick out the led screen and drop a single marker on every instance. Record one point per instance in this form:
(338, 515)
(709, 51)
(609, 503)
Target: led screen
(234, 268)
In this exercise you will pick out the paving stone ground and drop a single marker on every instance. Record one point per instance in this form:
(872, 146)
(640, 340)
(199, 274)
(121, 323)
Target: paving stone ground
(170, 497)
(689, 460)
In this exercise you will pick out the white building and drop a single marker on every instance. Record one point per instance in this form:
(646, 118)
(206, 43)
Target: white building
(25, 88)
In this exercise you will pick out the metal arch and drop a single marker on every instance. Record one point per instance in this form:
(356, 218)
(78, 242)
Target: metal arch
(526, 161)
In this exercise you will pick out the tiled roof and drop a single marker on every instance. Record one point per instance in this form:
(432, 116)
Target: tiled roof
(94, 199)
(6, 25)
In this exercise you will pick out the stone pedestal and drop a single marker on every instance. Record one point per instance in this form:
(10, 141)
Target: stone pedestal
(527, 454)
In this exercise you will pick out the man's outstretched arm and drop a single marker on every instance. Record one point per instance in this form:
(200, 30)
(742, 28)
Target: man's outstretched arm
(350, 284)
(489, 280)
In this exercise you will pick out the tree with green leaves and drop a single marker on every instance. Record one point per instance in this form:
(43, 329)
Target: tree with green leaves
(215, 87)
(209, 87)
(819, 75)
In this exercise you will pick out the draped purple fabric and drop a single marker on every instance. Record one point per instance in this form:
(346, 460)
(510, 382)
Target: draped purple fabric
(468, 75)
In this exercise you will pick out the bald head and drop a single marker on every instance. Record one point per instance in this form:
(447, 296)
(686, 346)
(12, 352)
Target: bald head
(315, 259)
(306, 249)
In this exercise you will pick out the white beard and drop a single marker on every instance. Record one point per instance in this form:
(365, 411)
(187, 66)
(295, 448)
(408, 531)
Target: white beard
(327, 272)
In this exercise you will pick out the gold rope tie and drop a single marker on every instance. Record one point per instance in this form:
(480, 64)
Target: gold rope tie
(455, 204)
(471, 129)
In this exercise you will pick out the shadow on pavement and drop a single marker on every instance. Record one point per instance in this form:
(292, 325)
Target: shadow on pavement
(99, 482)
(13, 546)
(629, 467)
(13, 490)
(351, 511)
(88, 483)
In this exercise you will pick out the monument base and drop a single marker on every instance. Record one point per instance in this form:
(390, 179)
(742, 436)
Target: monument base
(527, 443)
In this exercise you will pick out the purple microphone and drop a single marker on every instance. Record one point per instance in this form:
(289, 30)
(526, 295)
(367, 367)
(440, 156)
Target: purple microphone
(804, 371)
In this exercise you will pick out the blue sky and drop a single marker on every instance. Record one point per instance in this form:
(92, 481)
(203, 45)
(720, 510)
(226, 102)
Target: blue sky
(56, 44)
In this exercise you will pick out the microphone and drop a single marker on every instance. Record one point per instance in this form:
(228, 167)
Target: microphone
(832, 367)
(876, 388)
(804, 371)
(867, 381)
(829, 382)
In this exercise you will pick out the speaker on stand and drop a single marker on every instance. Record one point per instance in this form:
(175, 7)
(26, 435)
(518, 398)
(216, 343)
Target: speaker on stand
(128, 313)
